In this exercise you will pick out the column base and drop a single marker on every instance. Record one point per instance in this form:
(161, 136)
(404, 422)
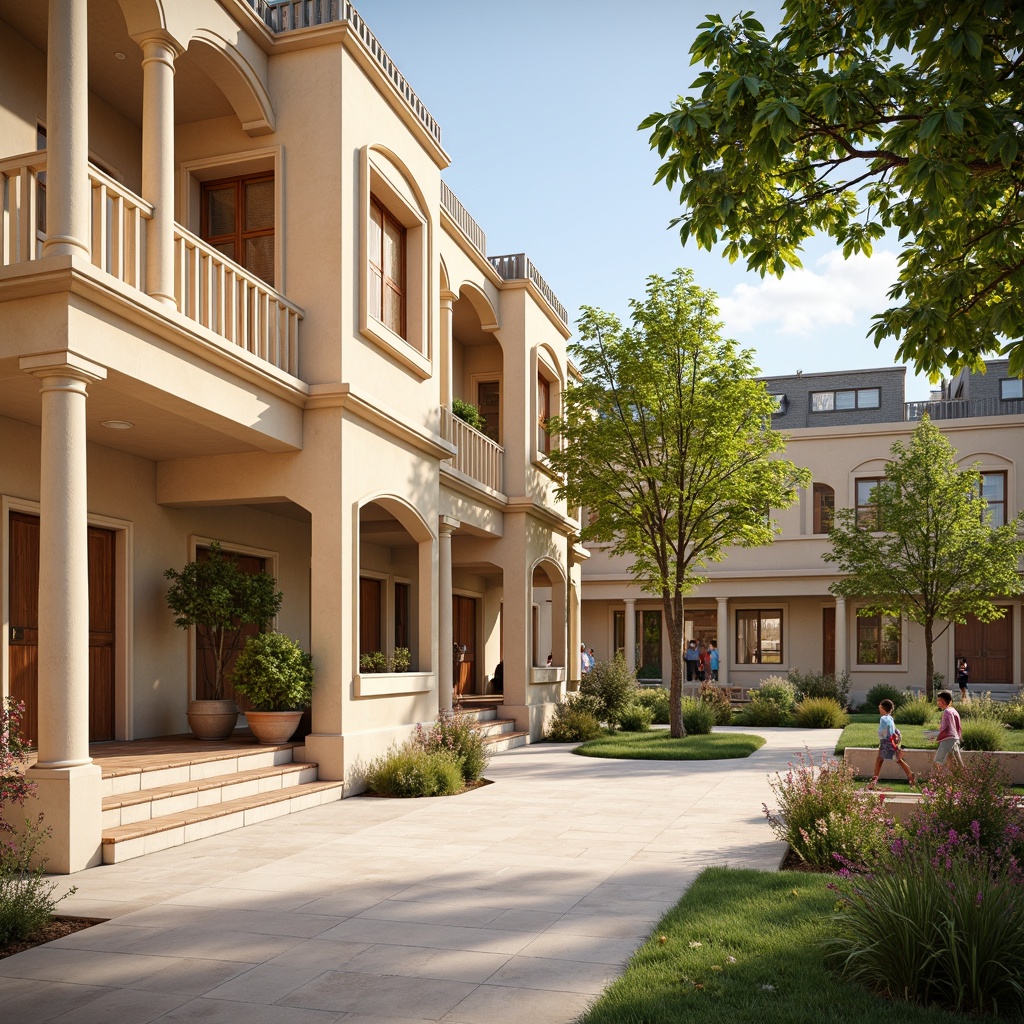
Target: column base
(71, 801)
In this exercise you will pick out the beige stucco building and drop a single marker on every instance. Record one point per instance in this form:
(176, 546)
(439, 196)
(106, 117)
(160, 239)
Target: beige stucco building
(237, 303)
(769, 609)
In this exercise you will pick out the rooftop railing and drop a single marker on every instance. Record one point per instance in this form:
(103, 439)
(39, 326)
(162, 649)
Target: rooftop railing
(518, 267)
(458, 213)
(286, 15)
(963, 408)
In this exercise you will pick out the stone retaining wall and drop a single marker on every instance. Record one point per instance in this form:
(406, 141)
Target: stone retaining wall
(921, 761)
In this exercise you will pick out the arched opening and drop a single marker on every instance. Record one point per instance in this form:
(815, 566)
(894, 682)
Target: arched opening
(548, 616)
(824, 505)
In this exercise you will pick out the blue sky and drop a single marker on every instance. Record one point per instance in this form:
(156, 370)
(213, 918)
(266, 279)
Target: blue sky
(538, 104)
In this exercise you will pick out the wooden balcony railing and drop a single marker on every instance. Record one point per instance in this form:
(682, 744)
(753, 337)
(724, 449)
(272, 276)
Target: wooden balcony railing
(208, 288)
(478, 457)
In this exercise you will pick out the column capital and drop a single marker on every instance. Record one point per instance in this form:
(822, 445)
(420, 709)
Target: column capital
(630, 602)
(447, 298)
(158, 45)
(447, 525)
(64, 363)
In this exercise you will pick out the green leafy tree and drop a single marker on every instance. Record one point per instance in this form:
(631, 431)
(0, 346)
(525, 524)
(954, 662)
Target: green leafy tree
(219, 599)
(936, 558)
(667, 438)
(856, 118)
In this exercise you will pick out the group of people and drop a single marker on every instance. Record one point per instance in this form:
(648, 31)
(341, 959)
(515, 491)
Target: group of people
(701, 661)
(587, 659)
(949, 734)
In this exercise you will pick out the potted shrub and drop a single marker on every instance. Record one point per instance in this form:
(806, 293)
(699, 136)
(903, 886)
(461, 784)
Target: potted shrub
(219, 600)
(276, 676)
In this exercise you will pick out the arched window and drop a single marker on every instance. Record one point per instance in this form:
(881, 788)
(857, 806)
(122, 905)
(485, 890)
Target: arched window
(824, 508)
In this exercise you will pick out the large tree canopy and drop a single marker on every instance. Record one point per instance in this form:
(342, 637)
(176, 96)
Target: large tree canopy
(928, 551)
(858, 117)
(667, 440)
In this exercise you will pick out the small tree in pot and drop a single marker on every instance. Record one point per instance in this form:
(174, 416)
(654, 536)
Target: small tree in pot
(276, 676)
(216, 597)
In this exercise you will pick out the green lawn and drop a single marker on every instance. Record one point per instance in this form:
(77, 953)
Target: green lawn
(744, 947)
(657, 745)
(863, 732)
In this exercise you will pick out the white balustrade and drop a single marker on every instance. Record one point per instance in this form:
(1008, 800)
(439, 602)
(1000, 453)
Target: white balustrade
(477, 457)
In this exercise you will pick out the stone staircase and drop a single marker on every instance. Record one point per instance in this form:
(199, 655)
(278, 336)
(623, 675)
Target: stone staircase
(166, 797)
(498, 733)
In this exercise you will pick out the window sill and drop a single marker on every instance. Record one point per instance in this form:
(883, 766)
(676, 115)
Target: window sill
(388, 684)
(397, 347)
(545, 676)
(541, 463)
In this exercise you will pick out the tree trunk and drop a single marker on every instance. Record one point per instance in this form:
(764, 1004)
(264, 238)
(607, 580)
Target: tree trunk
(929, 640)
(673, 608)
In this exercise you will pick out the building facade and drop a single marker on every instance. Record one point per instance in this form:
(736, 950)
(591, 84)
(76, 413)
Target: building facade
(239, 304)
(769, 608)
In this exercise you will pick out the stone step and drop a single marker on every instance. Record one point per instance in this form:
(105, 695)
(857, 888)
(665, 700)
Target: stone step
(126, 842)
(143, 804)
(506, 741)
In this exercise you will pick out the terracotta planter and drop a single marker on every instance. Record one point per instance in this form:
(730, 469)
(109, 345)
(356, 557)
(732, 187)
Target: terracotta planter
(273, 726)
(212, 719)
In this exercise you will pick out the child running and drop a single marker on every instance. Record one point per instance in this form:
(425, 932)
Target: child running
(887, 750)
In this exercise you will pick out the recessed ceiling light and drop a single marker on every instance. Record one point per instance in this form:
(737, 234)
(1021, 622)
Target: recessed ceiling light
(119, 55)
(117, 424)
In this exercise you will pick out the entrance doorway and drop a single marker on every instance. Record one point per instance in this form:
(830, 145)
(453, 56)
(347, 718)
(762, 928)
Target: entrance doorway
(988, 648)
(828, 640)
(23, 643)
(464, 636)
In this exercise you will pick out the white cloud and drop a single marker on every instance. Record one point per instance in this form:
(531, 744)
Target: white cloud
(835, 293)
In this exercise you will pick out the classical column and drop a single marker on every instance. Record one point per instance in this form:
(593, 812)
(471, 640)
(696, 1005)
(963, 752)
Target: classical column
(67, 130)
(629, 634)
(447, 298)
(68, 783)
(842, 656)
(723, 641)
(446, 668)
(158, 55)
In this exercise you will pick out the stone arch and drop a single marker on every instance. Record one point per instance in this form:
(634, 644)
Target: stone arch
(549, 594)
(233, 73)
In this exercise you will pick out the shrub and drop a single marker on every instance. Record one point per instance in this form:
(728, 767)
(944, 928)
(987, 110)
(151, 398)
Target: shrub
(648, 672)
(820, 684)
(940, 928)
(1013, 712)
(698, 717)
(763, 712)
(459, 735)
(983, 734)
(468, 413)
(635, 718)
(574, 721)
(713, 695)
(273, 673)
(820, 713)
(411, 771)
(918, 711)
(981, 707)
(884, 691)
(658, 700)
(778, 690)
(613, 684)
(821, 816)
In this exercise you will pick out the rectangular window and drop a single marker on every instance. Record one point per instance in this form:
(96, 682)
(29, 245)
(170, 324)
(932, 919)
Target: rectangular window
(619, 633)
(1011, 388)
(867, 503)
(851, 398)
(370, 635)
(387, 268)
(402, 595)
(878, 640)
(238, 221)
(759, 637)
(488, 401)
(824, 508)
(543, 414)
(993, 490)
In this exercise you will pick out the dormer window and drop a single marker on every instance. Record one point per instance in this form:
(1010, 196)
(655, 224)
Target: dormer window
(1011, 388)
(841, 401)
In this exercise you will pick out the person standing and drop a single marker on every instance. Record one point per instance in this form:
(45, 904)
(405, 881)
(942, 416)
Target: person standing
(713, 661)
(887, 749)
(584, 660)
(703, 664)
(950, 731)
(962, 675)
(691, 656)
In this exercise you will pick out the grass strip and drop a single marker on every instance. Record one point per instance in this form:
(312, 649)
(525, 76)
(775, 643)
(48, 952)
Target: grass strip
(744, 947)
(658, 745)
(865, 734)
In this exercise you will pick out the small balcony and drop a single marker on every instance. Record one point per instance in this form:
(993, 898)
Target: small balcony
(962, 408)
(477, 456)
(209, 288)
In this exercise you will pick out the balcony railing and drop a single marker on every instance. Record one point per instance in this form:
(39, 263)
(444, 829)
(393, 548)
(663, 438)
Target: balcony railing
(478, 457)
(518, 267)
(208, 288)
(962, 408)
(285, 15)
(458, 213)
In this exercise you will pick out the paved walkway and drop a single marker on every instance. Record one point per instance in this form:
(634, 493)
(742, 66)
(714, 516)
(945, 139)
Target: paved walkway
(515, 903)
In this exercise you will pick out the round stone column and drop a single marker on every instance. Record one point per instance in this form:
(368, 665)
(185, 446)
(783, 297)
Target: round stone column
(445, 640)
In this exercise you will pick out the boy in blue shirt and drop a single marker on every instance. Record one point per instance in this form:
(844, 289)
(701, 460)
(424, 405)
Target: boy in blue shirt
(887, 750)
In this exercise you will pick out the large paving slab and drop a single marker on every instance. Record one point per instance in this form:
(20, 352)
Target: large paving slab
(519, 901)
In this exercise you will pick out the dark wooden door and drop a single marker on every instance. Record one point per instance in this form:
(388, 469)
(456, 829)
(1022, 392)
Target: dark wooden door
(988, 648)
(23, 647)
(464, 634)
(828, 641)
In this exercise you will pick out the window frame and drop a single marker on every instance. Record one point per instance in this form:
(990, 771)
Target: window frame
(868, 512)
(863, 623)
(240, 235)
(760, 616)
(857, 399)
(1000, 503)
(543, 441)
(379, 311)
(819, 492)
(1004, 381)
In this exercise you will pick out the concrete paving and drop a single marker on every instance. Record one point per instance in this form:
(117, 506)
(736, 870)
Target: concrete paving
(519, 901)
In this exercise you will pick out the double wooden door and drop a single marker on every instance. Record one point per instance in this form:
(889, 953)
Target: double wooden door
(988, 648)
(23, 642)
